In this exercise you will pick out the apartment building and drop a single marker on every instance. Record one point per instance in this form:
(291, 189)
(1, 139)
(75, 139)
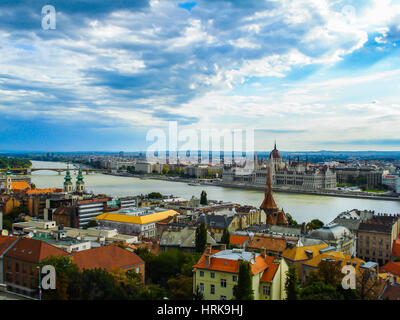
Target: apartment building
(217, 273)
(376, 237)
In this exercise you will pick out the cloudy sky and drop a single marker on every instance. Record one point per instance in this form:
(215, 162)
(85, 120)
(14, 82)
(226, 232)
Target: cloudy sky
(312, 74)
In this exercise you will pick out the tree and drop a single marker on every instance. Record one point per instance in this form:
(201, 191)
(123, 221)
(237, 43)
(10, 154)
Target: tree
(315, 224)
(328, 272)
(65, 271)
(292, 284)
(203, 198)
(244, 289)
(154, 195)
(91, 224)
(180, 288)
(291, 221)
(368, 285)
(318, 291)
(201, 237)
(198, 295)
(226, 237)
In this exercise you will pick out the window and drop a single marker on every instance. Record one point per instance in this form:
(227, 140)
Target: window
(202, 287)
(212, 289)
(234, 278)
(17, 267)
(223, 298)
(8, 265)
(223, 283)
(266, 290)
(201, 273)
(24, 268)
(212, 275)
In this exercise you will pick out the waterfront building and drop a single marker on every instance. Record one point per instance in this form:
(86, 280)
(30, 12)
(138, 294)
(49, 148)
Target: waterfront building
(291, 175)
(374, 179)
(217, 272)
(392, 182)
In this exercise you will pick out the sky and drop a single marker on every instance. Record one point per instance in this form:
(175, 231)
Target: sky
(310, 74)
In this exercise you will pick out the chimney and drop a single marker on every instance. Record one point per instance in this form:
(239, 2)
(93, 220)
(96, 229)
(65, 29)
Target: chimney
(207, 260)
(263, 252)
(209, 247)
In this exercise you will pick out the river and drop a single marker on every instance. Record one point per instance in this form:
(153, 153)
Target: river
(301, 207)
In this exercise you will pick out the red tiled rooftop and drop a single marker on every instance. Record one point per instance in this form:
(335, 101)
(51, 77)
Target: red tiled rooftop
(396, 248)
(108, 257)
(232, 266)
(391, 267)
(238, 239)
(33, 250)
(6, 242)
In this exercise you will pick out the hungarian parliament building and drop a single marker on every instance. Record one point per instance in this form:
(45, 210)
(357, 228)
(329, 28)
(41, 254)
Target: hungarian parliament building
(291, 174)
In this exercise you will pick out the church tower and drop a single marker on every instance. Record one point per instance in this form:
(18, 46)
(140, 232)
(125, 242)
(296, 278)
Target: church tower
(68, 187)
(274, 215)
(269, 205)
(80, 184)
(8, 181)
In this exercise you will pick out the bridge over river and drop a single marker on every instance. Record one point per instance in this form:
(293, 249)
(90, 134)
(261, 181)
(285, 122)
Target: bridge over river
(28, 171)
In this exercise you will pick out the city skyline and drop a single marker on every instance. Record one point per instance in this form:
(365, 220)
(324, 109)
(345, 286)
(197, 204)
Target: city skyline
(313, 75)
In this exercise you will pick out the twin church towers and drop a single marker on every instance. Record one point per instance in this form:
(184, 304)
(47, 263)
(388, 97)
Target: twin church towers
(79, 185)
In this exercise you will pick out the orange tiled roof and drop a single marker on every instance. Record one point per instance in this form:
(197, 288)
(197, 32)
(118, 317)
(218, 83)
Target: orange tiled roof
(107, 257)
(19, 185)
(6, 242)
(33, 250)
(270, 272)
(391, 267)
(238, 239)
(232, 266)
(396, 248)
(272, 244)
(42, 191)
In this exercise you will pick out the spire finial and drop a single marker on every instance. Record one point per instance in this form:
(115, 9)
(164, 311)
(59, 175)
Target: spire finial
(275, 144)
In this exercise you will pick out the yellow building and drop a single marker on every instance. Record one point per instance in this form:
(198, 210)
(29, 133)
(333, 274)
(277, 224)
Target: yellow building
(141, 225)
(217, 273)
(335, 256)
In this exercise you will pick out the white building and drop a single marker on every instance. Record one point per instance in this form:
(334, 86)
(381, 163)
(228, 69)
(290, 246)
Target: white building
(392, 181)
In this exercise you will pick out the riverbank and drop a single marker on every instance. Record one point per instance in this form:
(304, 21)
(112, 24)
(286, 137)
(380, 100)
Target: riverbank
(328, 193)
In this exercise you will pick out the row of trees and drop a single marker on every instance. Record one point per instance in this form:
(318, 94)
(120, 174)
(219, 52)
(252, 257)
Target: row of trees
(172, 271)
(97, 284)
(14, 163)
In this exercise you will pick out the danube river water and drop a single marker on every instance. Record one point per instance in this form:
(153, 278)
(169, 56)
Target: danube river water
(301, 207)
